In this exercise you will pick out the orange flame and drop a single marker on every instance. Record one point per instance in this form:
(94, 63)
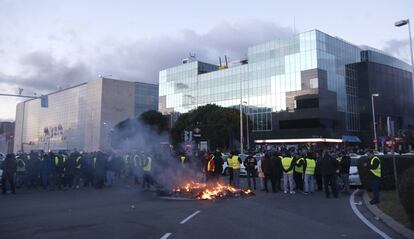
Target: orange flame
(209, 192)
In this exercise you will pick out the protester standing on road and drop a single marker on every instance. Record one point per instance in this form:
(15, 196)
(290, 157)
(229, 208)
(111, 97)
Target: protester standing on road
(277, 169)
(318, 173)
(344, 166)
(298, 173)
(375, 177)
(218, 164)
(234, 163)
(269, 172)
(9, 167)
(250, 165)
(309, 166)
(147, 169)
(260, 172)
(288, 166)
(328, 169)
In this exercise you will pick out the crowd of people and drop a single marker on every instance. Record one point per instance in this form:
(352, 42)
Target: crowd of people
(61, 170)
(286, 169)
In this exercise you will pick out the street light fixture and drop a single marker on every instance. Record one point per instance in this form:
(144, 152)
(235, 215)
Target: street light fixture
(373, 119)
(403, 23)
(247, 125)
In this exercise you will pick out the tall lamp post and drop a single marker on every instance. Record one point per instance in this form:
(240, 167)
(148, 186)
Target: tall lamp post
(400, 24)
(247, 125)
(373, 119)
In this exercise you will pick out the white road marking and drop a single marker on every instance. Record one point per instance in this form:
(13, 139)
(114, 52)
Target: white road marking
(363, 219)
(189, 217)
(166, 235)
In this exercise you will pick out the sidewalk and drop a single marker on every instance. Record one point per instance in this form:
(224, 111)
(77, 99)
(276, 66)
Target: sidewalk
(389, 221)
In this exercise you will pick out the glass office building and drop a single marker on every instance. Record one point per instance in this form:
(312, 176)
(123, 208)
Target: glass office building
(81, 117)
(302, 86)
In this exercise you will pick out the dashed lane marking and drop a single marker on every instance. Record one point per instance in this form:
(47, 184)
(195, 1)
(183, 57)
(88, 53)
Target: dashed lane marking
(189, 217)
(364, 219)
(166, 235)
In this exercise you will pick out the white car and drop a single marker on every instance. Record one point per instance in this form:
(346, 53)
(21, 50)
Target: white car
(354, 179)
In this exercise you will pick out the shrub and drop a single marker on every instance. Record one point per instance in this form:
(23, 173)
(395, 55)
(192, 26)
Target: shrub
(406, 192)
(403, 162)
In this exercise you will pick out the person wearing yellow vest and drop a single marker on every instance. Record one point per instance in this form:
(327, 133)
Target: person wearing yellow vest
(375, 177)
(183, 159)
(298, 173)
(288, 167)
(234, 163)
(78, 168)
(147, 169)
(309, 167)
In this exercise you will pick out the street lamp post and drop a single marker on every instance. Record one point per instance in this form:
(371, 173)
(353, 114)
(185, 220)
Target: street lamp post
(241, 118)
(400, 24)
(373, 119)
(247, 125)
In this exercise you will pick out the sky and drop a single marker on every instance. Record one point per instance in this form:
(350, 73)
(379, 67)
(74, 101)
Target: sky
(50, 44)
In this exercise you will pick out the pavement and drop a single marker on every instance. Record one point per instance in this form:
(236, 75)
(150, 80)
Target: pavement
(126, 211)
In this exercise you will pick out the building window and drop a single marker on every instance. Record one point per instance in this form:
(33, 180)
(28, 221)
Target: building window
(313, 83)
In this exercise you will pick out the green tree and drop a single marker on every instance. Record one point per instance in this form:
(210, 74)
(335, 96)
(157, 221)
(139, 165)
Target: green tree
(220, 126)
(155, 120)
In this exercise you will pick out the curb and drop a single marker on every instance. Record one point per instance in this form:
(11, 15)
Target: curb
(389, 221)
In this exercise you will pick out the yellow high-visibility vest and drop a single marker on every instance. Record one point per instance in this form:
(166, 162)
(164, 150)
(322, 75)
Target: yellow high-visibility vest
(286, 162)
(147, 168)
(377, 171)
(310, 166)
(297, 168)
(78, 165)
(56, 160)
(234, 162)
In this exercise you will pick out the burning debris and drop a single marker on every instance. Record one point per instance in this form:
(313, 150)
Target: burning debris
(203, 191)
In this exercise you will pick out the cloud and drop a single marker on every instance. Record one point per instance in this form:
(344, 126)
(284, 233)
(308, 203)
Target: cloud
(141, 59)
(40, 71)
(399, 48)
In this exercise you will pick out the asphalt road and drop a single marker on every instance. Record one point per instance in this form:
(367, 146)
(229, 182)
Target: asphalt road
(128, 212)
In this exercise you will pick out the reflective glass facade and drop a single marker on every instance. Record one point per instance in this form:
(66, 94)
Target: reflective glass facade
(311, 74)
(146, 97)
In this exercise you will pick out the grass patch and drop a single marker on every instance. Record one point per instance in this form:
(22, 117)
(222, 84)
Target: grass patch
(393, 208)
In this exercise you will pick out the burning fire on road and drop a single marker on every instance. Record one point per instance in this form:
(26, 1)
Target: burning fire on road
(211, 191)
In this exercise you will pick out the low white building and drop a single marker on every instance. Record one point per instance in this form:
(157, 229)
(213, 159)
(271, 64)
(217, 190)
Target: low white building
(81, 117)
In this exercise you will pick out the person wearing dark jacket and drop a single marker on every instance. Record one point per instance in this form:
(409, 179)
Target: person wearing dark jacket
(70, 169)
(344, 166)
(46, 169)
(269, 173)
(328, 169)
(277, 169)
(100, 169)
(250, 165)
(374, 177)
(318, 174)
(218, 164)
(9, 167)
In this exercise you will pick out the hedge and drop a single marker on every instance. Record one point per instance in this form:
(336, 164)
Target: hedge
(406, 192)
(403, 162)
